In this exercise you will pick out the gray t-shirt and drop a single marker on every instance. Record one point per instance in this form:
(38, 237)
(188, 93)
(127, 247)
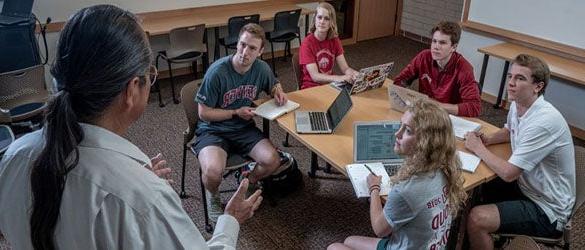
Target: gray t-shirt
(224, 88)
(417, 210)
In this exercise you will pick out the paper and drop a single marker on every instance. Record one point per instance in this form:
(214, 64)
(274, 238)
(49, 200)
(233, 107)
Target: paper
(271, 111)
(462, 126)
(358, 174)
(469, 162)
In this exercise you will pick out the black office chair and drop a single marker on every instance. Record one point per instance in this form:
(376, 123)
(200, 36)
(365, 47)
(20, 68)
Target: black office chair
(235, 24)
(23, 96)
(286, 29)
(234, 162)
(186, 45)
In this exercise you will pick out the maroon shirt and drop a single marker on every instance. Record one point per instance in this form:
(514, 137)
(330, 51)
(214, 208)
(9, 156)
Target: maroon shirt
(455, 84)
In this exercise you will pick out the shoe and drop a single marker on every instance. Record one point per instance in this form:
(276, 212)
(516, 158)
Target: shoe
(213, 203)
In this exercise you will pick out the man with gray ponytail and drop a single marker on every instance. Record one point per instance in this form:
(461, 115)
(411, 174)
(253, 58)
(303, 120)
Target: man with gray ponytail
(77, 183)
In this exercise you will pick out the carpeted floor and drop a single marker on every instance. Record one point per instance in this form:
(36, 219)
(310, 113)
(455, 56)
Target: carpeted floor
(327, 210)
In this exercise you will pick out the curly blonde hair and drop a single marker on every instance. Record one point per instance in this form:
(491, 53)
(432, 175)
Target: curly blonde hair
(435, 148)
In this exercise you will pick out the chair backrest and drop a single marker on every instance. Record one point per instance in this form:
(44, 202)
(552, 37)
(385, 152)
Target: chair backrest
(24, 88)
(188, 93)
(287, 21)
(296, 69)
(236, 23)
(186, 39)
(579, 176)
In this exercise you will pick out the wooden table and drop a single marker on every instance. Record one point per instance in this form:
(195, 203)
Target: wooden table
(217, 16)
(560, 67)
(373, 105)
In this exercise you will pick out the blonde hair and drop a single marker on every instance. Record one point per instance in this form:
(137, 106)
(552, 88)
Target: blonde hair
(332, 33)
(435, 148)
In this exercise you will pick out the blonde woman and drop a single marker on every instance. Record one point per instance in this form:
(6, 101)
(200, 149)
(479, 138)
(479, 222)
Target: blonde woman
(321, 49)
(427, 191)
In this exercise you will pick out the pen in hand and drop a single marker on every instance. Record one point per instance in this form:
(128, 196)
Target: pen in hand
(369, 169)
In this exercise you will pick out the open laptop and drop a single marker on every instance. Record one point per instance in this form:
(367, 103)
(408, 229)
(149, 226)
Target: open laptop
(374, 142)
(314, 122)
(15, 11)
(368, 78)
(401, 97)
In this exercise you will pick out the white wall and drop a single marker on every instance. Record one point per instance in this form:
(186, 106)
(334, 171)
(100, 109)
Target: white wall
(60, 10)
(567, 97)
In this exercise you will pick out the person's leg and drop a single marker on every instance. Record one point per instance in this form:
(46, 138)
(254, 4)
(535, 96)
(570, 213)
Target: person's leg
(267, 158)
(338, 246)
(363, 242)
(481, 221)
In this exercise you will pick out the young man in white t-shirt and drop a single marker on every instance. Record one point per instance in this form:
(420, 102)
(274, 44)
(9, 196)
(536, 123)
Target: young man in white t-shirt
(540, 174)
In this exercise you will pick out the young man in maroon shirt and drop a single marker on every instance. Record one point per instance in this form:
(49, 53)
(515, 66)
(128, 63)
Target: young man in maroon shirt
(444, 74)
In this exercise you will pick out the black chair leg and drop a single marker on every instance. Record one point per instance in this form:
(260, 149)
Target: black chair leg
(226, 50)
(205, 63)
(195, 69)
(183, 194)
(175, 100)
(272, 61)
(285, 142)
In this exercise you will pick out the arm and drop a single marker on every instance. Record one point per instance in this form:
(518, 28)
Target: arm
(408, 74)
(450, 108)
(325, 78)
(344, 67)
(216, 115)
(470, 104)
(379, 223)
(476, 142)
(278, 94)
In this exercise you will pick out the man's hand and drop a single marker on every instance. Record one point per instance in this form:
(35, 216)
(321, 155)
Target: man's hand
(241, 208)
(160, 169)
(245, 112)
(474, 141)
(280, 97)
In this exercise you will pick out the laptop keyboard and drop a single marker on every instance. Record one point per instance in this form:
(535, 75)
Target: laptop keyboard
(318, 121)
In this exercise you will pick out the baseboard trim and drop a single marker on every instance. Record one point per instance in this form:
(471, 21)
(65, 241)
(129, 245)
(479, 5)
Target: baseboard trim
(576, 132)
(415, 37)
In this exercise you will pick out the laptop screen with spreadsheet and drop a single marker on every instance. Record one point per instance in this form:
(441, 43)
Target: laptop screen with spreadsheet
(374, 142)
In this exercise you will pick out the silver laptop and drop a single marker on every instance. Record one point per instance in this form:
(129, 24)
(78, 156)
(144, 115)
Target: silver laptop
(401, 97)
(368, 78)
(374, 142)
(314, 122)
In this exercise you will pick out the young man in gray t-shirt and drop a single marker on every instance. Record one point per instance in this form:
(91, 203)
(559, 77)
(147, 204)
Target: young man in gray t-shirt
(224, 103)
(541, 168)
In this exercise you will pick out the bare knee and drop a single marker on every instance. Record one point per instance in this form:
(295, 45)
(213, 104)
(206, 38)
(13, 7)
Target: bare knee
(483, 219)
(337, 246)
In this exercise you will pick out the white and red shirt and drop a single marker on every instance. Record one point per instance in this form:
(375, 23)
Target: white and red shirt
(322, 53)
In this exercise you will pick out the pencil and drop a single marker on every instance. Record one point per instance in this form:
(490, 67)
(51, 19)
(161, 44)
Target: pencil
(366, 165)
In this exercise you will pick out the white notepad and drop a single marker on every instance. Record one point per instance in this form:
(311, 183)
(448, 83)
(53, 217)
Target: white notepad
(462, 126)
(358, 174)
(271, 111)
(469, 162)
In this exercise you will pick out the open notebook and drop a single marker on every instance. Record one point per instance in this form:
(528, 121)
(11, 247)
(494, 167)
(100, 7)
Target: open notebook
(358, 173)
(462, 126)
(469, 162)
(271, 111)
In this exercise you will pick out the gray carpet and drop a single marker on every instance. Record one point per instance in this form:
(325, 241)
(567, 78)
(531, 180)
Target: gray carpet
(326, 211)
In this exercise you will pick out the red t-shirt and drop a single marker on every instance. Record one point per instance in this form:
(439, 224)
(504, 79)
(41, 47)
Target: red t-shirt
(323, 53)
(455, 84)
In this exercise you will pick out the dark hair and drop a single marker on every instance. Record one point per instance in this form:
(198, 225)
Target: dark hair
(101, 48)
(539, 68)
(452, 29)
(255, 30)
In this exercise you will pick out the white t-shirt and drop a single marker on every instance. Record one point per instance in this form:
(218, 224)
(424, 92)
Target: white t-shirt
(543, 148)
(110, 200)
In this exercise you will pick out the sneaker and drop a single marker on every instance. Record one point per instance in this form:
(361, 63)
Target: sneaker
(213, 203)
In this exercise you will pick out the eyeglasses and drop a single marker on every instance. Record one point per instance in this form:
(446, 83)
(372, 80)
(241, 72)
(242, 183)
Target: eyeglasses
(152, 74)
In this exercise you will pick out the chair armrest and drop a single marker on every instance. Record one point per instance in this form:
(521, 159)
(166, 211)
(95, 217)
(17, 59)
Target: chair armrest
(5, 116)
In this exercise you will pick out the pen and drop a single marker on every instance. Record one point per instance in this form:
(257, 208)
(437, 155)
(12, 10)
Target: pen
(366, 165)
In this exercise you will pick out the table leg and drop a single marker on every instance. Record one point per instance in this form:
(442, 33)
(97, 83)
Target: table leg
(486, 57)
(502, 84)
(216, 46)
(314, 165)
(266, 127)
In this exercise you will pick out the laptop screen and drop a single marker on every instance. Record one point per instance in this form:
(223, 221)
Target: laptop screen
(375, 142)
(339, 108)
